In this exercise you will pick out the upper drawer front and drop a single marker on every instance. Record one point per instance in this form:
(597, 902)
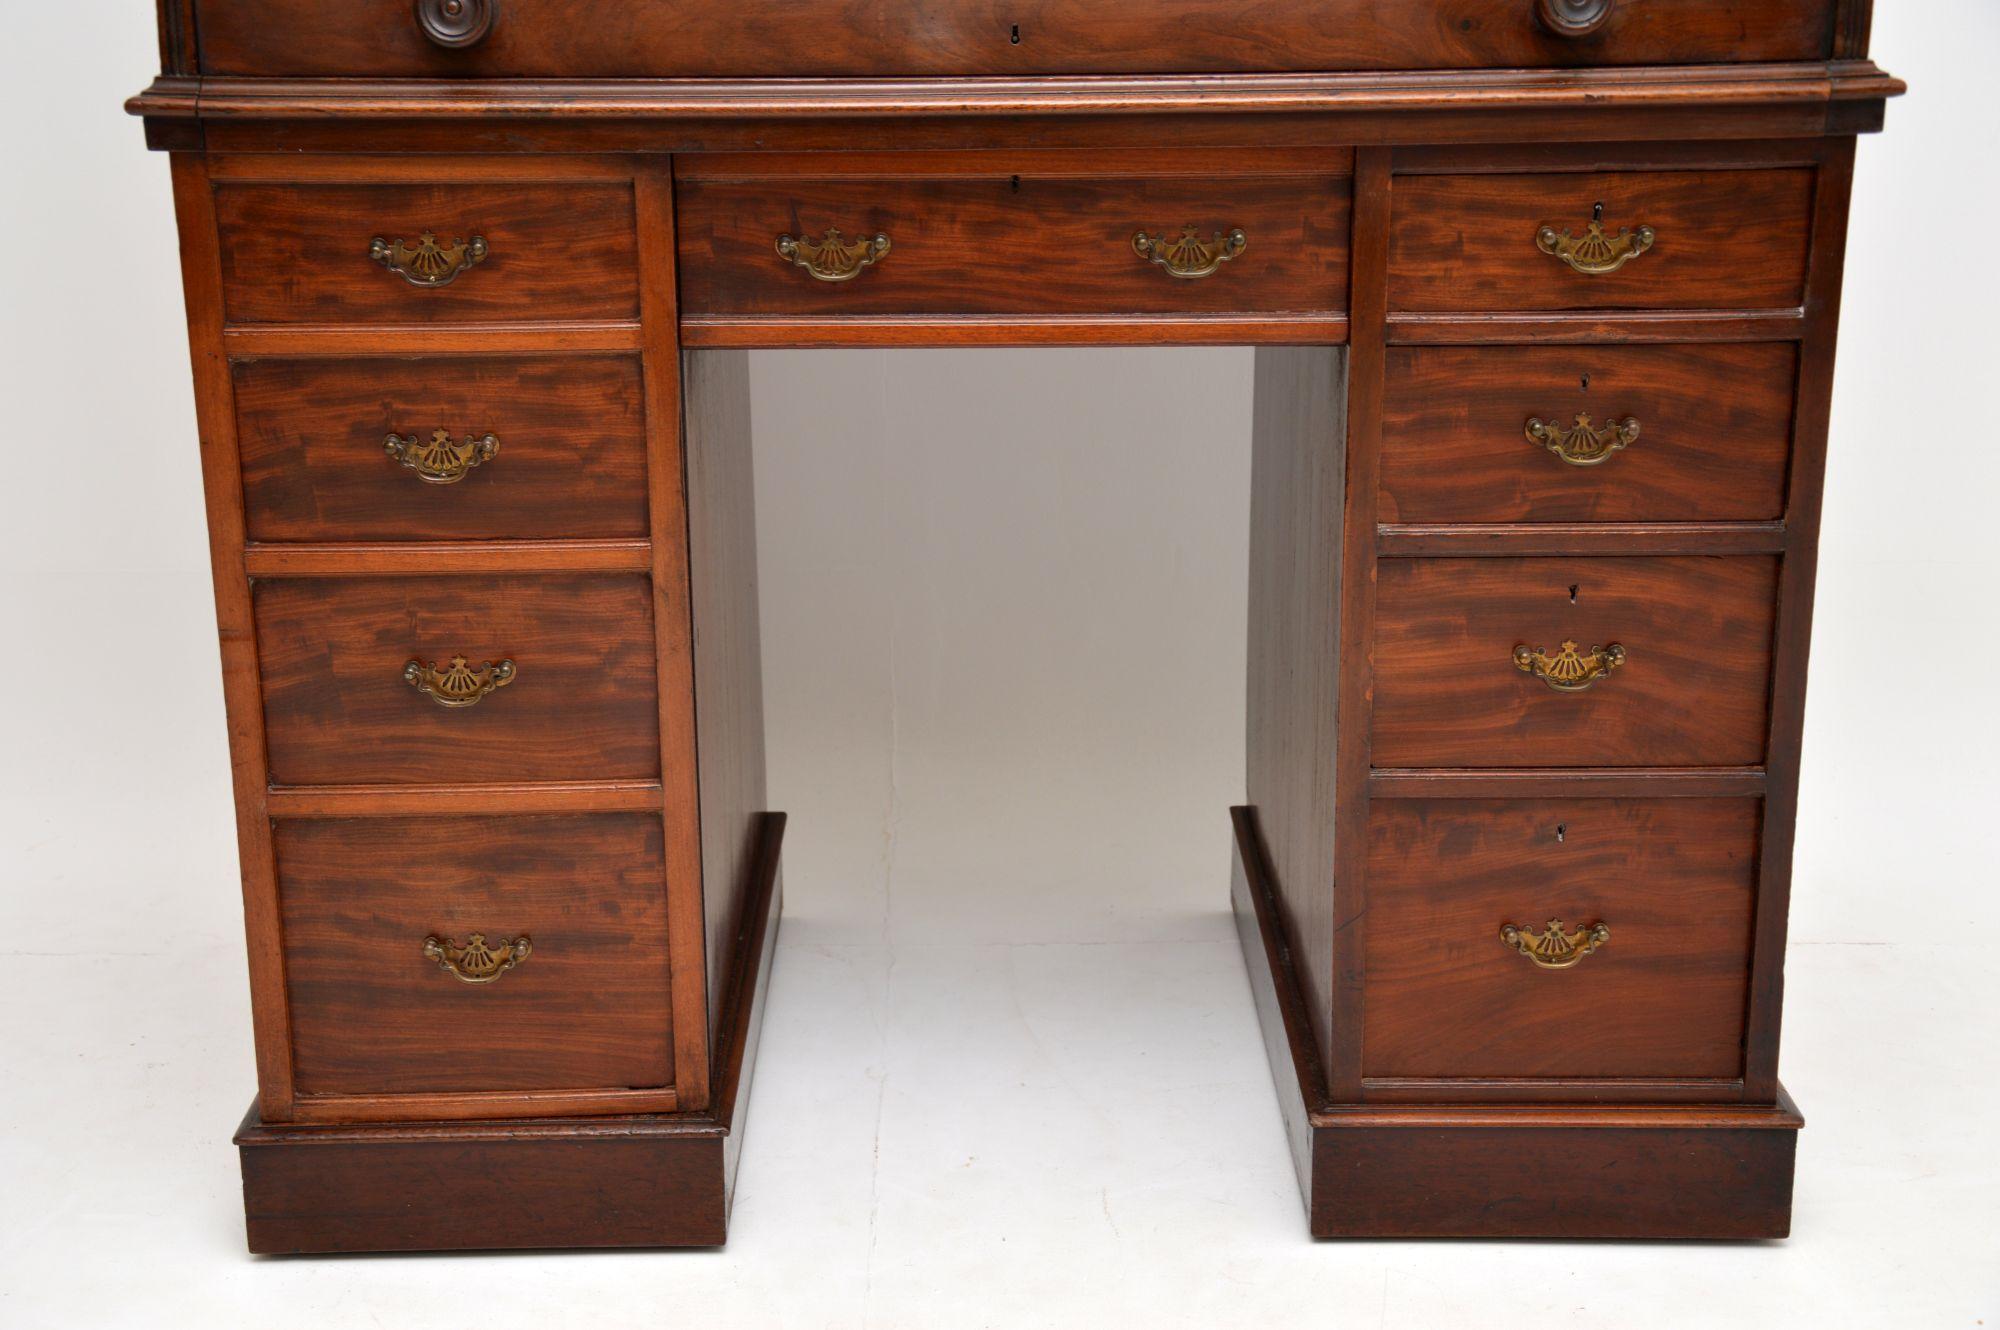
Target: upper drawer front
(1005, 244)
(307, 253)
(587, 1008)
(1626, 433)
(1692, 690)
(1733, 239)
(1663, 993)
(878, 38)
(531, 448)
(570, 694)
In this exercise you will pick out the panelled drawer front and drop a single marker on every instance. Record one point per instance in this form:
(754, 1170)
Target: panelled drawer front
(569, 461)
(1713, 425)
(1671, 880)
(987, 245)
(302, 253)
(581, 704)
(587, 1008)
(888, 38)
(1732, 239)
(1693, 688)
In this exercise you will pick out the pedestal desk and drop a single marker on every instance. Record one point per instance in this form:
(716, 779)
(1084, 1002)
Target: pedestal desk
(1544, 294)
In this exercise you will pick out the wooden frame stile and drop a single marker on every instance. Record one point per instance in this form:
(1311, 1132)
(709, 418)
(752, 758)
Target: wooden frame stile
(1820, 332)
(653, 185)
(1368, 315)
(243, 698)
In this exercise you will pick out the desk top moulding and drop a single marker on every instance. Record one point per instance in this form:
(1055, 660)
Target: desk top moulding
(1544, 296)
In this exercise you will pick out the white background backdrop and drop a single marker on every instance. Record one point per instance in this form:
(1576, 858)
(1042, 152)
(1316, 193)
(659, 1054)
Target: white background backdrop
(1011, 1075)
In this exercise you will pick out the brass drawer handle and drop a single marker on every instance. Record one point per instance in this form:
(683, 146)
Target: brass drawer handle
(458, 685)
(455, 24)
(1569, 670)
(1554, 948)
(440, 459)
(1584, 444)
(833, 259)
(428, 263)
(476, 962)
(1573, 18)
(1594, 253)
(1188, 255)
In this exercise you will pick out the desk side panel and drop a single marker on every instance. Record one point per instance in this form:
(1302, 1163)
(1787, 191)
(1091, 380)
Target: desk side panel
(1298, 460)
(728, 659)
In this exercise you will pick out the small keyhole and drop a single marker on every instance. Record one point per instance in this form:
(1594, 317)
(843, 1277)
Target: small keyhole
(1014, 36)
(1562, 832)
(1586, 383)
(1572, 594)
(1596, 211)
(1014, 183)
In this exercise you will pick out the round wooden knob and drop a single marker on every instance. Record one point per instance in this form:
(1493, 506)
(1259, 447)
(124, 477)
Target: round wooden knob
(456, 23)
(1573, 18)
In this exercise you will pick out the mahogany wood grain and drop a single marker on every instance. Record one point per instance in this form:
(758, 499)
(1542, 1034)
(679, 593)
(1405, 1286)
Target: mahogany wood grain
(1340, 110)
(1591, 329)
(614, 1181)
(572, 458)
(1487, 540)
(235, 621)
(1284, 1013)
(891, 38)
(1569, 783)
(1355, 703)
(300, 253)
(588, 1008)
(1013, 244)
(1673, 879)
(1446, 1170)
(447, 558)
(1726, 240)
(1322, 328)
(1694, 689)
(1669, 1178)
(728, 662)
(1298, 465)
(581, 706)
(749, 954)
(356, 340)
(595, 796)
(1715, 433)
(1796, 587)
(674, 629)
(576, 1182)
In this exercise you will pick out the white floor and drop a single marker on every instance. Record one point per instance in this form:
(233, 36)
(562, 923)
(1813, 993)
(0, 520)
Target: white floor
(1057, 1134)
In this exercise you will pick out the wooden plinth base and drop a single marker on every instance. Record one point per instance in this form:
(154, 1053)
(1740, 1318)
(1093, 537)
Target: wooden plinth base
(1503, 1171)
(663, 1181)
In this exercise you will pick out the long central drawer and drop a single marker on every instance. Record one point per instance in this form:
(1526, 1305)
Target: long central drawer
(994, 242)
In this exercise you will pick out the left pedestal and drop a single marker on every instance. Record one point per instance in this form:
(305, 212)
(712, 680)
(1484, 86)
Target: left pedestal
(643, 1181)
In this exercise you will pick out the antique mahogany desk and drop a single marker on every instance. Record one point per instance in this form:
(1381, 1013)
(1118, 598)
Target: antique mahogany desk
(1545, 296)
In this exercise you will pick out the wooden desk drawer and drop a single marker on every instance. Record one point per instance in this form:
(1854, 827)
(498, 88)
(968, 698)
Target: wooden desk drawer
(567, 456)
(1719, 240)
(1672, 880)
(580, 704)
(306, 253)
(1713, 429)
(889, 38)
(587, 1008)
(1693, 689)
(1004, 244)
